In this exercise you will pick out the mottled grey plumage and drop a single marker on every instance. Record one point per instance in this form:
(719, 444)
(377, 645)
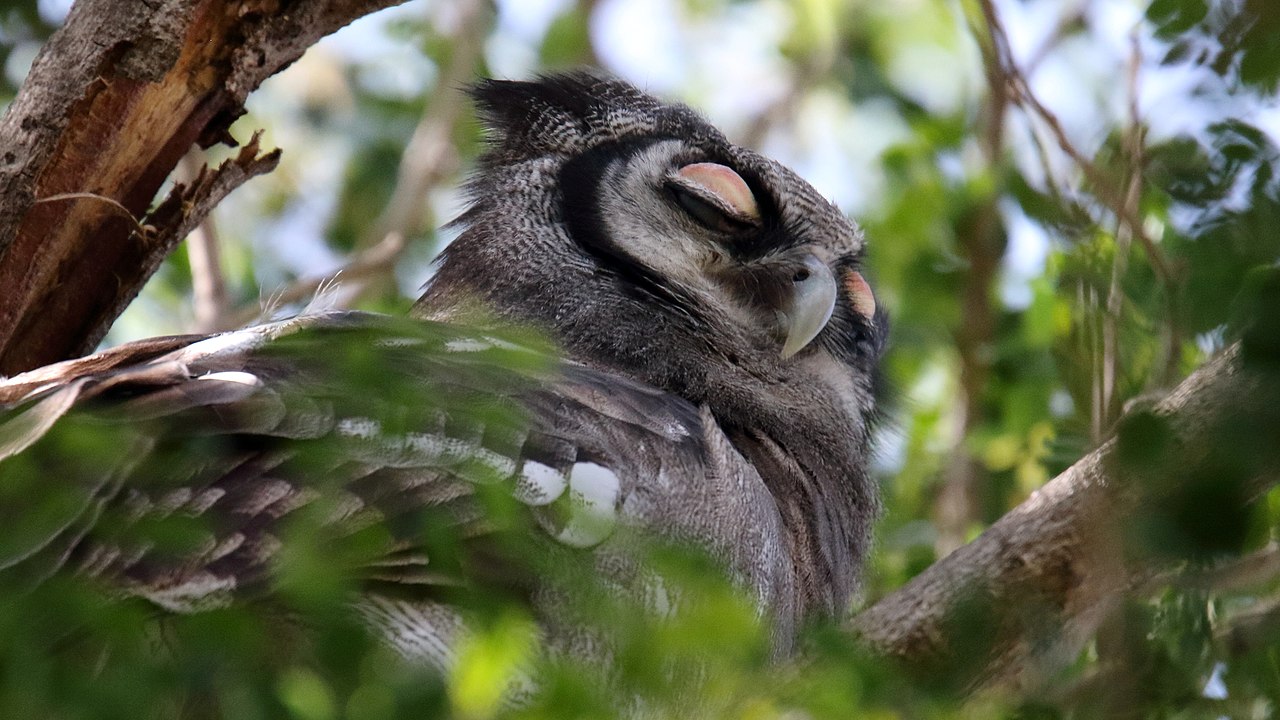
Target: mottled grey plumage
(674, 414)
(546, 241)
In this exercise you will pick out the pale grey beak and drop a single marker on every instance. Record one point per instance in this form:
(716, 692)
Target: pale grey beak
(812, 302)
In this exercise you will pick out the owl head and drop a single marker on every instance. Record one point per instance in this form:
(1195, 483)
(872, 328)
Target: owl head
(643, 240)
(649, 246)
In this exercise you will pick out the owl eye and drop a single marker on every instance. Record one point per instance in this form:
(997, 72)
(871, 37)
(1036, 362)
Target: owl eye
(704, 212)
(715, 196)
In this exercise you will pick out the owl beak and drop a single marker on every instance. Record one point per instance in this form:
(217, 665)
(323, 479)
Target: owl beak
(811, 305)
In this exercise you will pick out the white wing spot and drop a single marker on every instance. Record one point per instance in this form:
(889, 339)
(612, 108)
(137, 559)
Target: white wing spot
(233, 376)
(263, 495)
(593, 498)
(539, 484)
(503, 344)
(344, 505)
(204, 500)
(503, 467)
(173, 500)
(225, 547)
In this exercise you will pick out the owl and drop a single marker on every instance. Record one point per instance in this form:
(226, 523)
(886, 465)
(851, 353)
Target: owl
(708, 378)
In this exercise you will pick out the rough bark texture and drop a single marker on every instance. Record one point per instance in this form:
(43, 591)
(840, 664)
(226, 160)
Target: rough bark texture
(1021, 600)
(112, 103)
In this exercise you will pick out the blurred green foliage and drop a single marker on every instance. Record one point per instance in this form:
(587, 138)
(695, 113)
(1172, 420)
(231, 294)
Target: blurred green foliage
(23, 28)
(1027, 314)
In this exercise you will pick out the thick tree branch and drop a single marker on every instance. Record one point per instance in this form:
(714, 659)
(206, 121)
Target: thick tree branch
(1024, 597)
(112, 103)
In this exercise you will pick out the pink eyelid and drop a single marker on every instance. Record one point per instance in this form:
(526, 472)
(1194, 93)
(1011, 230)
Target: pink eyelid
(726, 185)
(860, 295)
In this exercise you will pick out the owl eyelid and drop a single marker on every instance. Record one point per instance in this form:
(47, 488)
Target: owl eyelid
(708, 208)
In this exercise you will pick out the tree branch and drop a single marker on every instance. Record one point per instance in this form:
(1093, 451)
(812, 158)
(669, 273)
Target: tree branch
(1108, 192)
(204, 257)
(371, 262)
(1022, 599)
(428, 158)
(430, 154)
(980, 241)
(111, 105)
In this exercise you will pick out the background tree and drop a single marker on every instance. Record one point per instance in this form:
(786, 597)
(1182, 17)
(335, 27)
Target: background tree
(1072, 205)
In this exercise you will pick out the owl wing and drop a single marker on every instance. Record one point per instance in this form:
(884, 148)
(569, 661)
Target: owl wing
(417, 455)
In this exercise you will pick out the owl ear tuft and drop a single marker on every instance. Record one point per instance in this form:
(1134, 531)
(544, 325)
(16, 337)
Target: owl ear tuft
(524, 109)
(571, 112)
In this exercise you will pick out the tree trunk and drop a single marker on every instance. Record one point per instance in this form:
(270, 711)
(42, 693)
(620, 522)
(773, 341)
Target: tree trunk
(112, 103)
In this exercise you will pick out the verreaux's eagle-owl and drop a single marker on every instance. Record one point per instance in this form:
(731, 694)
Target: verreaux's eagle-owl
(717, 342)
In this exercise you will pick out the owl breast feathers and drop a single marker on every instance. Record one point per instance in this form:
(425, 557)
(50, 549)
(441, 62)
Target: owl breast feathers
(709, 382)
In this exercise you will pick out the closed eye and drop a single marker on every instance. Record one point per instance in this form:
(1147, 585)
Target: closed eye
(707, 214)
(716, 196)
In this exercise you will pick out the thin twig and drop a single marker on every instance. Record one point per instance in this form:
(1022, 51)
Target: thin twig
(120, 209)
(1098, 420)
(427, 159)
(204, 256)
(371, 262)
(208, 285)
(1258, 568)
(804, 73)
(1061, 31)
(430, 154)
(782, 110)
(590, 56)
(1106, 191)
(981, 243)
(1124, 236)
(1238, 634)
(1250, 630)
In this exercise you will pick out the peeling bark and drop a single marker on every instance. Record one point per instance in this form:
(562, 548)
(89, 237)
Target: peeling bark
(112, 103)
